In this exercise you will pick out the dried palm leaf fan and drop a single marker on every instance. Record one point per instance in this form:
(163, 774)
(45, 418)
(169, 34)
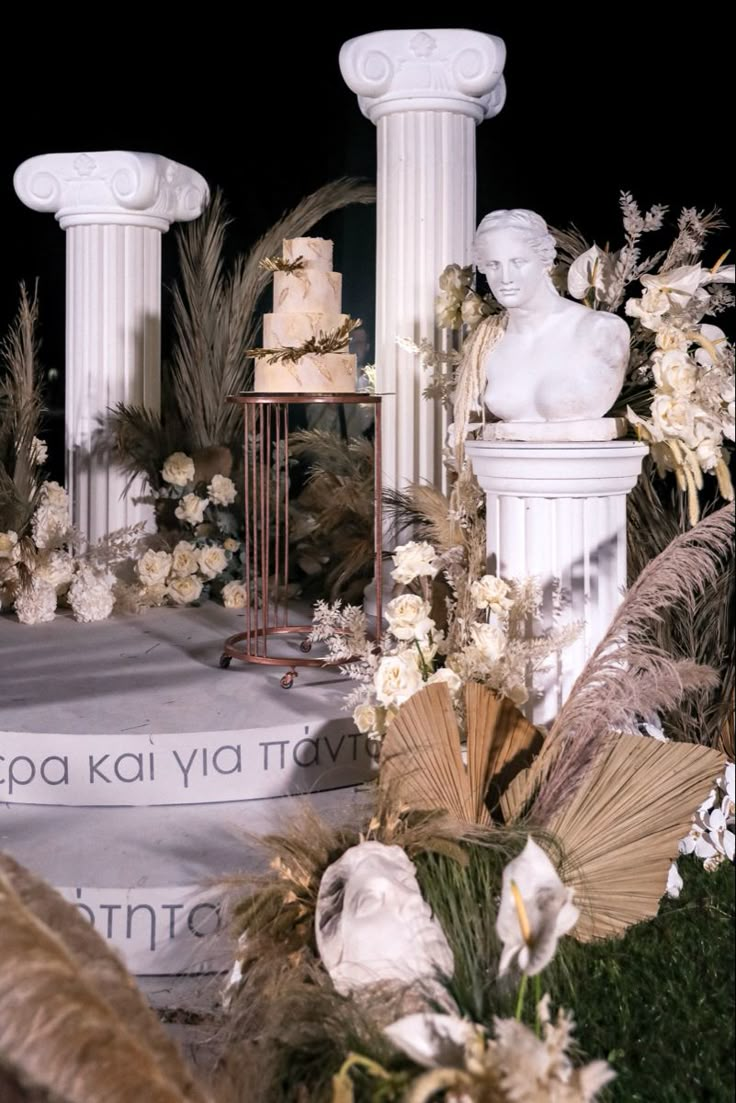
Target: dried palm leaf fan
(421, 751)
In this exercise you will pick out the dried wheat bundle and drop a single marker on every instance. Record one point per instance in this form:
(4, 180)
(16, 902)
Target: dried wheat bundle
(421, 751)
(58, 1030)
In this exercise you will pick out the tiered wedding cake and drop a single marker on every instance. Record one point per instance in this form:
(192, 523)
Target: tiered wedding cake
(307, 304)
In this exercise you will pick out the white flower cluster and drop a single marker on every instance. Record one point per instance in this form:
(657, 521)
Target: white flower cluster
(692, 367)
(711, 836)
(179, 576)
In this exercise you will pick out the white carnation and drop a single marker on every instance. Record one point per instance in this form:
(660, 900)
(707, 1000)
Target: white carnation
(153, 567)
(90, 596)
(184, 559)
(397, 678)
(413, 560)
(491, 593)
(222, 490)
(183, 591)
(178, 469)
(212, 560)
(234, 595)
(36, 602)
(191, 509)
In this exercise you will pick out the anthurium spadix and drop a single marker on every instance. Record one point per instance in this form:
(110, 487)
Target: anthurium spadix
(536, 909)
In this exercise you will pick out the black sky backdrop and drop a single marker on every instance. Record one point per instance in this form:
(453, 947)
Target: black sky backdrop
(600, 99)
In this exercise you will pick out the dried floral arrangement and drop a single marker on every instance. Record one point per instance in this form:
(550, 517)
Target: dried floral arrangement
(336, 340)
(679, 390)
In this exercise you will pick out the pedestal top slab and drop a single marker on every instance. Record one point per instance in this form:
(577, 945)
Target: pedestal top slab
(426, 70)
(111, 186)
(550, 432)
(553, 469)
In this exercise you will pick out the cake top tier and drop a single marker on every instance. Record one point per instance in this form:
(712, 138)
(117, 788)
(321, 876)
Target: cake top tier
(316, 252)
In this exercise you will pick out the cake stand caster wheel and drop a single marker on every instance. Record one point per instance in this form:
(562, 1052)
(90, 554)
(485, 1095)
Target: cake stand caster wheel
(288, 680)
(306, 646)
(225, 661)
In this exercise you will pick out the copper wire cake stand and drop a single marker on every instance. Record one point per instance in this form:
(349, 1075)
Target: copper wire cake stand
(266, 506)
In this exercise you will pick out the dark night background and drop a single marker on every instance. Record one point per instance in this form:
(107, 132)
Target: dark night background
(637, 101)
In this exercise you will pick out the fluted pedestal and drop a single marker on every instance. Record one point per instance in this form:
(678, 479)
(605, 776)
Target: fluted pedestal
(426, 91)
(558, 512)
(114, 206)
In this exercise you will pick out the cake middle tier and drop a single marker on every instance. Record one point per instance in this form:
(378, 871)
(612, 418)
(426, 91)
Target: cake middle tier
(307, 290)
(292, 330)
(329, 372)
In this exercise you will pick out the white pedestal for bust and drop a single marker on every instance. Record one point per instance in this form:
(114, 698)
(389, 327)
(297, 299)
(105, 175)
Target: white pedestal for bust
(426, 91)
(558, 511)
(114, 205)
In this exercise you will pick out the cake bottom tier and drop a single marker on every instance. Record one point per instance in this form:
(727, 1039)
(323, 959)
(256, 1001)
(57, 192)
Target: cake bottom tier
(315, 374)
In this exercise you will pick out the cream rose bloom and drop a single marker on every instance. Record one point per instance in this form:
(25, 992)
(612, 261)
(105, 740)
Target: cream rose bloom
(153, 567)
(672, 417)
(397, 678)
(367, 719)
(230, 544)
(184, 559)
(675, 372)
(212, 560)
(413, 560)
(178, 469)
(448, 677)
(490, 641)
(234, 595)
(222, 490)
(670, 337)
(491, 593)
(55, 496)
(191, 509)
(183, 591)
(408, 617)
(9, 548)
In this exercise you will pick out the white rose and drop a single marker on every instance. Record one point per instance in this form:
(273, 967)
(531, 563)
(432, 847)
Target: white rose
(55, 495)
(234, 595)
(412, 560)
(365, 718)
(672, 417)
(708, 452)
(490, 641)
(36, 602)
(230, 544)
(191, 509)
(397, 678)
(212, 560)
(408, 617)
(670, 337)
(449, 677)
(153, 567)
(56, 568)
(222, 490)
(178, 469)
(184, 559)
(649, 308)
(9, 548)
(675, 372)
(183, 591)
(491, 593)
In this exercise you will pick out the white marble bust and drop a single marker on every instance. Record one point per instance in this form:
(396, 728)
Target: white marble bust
(556, 361)
(373, 925)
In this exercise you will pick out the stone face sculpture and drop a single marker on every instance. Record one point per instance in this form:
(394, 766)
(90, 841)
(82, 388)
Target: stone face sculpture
(373, 925)
(554, 360)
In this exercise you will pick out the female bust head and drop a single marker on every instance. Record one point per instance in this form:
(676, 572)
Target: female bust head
(515, 252)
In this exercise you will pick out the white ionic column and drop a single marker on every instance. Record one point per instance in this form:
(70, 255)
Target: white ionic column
(558, 512)
(114, 205)
(426, 91)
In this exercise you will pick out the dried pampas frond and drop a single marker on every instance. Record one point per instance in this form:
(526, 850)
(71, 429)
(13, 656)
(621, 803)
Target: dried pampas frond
(20, 416)
(620, 830)
(630, 675)
(59, 1033)
(421, 755)
(424, 511)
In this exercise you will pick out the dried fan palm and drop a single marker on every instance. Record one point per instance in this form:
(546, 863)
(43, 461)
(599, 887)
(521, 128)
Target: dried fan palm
(629, 674)
(421, 753)
(60, 1033)
(620, 830)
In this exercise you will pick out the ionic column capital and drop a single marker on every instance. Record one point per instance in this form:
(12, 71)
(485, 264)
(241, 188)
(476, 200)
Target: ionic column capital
(111, 187)
(426, 70)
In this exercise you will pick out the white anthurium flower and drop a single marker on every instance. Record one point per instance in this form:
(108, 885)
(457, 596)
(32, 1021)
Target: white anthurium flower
(720, 273)
(719, 834)
(679, 284)
(714, 342)
(591, 270)
(536, 910)
(433, 1041)
(674, 881)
